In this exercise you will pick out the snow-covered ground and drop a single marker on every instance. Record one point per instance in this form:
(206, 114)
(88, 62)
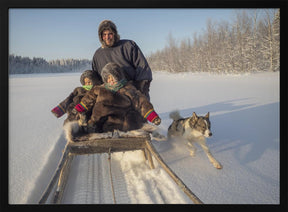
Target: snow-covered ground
(244, 113)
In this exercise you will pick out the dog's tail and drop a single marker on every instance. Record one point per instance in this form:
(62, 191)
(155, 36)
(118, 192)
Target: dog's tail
(175, 115)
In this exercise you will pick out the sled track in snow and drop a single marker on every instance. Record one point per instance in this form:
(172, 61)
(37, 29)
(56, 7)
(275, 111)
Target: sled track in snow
(132, 178)
(133, 181)
(88, 182)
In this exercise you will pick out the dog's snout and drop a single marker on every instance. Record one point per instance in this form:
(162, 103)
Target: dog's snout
(207, 133)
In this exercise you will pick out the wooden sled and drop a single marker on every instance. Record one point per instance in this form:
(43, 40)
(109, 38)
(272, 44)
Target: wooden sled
(107, 143)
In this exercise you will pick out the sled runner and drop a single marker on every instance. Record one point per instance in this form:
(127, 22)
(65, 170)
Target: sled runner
(116, 141)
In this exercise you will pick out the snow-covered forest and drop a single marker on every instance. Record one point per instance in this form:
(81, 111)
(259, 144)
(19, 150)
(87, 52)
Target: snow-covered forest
(250, 42)
(25, 65)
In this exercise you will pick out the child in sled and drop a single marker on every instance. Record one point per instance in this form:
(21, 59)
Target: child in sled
(88, 79)
(116, 104)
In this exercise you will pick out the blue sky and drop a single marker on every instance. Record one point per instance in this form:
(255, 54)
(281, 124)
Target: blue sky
(73, 33)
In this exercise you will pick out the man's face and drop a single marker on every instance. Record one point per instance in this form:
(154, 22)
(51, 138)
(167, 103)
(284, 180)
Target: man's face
(108, 37)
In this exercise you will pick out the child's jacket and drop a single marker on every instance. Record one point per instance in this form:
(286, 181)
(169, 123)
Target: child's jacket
(126, 109)
(70, 102)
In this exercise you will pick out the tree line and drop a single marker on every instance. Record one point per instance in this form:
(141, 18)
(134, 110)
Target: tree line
(25, 65)
(250, 43)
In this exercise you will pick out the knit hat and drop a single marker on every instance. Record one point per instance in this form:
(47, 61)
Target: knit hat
(90, 75)
(107, 25)
(112, 69)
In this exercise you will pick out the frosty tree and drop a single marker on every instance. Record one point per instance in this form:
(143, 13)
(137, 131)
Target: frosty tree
(251, 42)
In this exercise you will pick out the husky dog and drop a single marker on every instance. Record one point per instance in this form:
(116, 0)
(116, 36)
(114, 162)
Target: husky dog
(193, 129)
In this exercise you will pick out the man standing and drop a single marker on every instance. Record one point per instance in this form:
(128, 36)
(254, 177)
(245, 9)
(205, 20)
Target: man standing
(125, 53)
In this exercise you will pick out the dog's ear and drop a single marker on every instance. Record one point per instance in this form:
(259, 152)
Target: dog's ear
(194, 116)
(193, 119)
(207, 115)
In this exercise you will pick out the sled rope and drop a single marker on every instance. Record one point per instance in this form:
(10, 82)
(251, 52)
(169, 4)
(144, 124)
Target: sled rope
(111, 179)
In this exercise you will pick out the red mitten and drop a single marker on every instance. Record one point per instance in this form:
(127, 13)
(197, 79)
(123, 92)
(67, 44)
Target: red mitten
(58, 111)
(81, 107)
(153, 117)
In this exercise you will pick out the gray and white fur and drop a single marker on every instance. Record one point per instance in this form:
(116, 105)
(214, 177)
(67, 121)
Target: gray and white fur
(194, 129)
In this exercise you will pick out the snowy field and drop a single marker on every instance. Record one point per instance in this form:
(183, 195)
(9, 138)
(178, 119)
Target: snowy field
(244, 113)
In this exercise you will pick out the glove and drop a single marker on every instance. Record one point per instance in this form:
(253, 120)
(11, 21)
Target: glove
(153, 117)
(157, 121)
(58, 111)
(80, 107)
